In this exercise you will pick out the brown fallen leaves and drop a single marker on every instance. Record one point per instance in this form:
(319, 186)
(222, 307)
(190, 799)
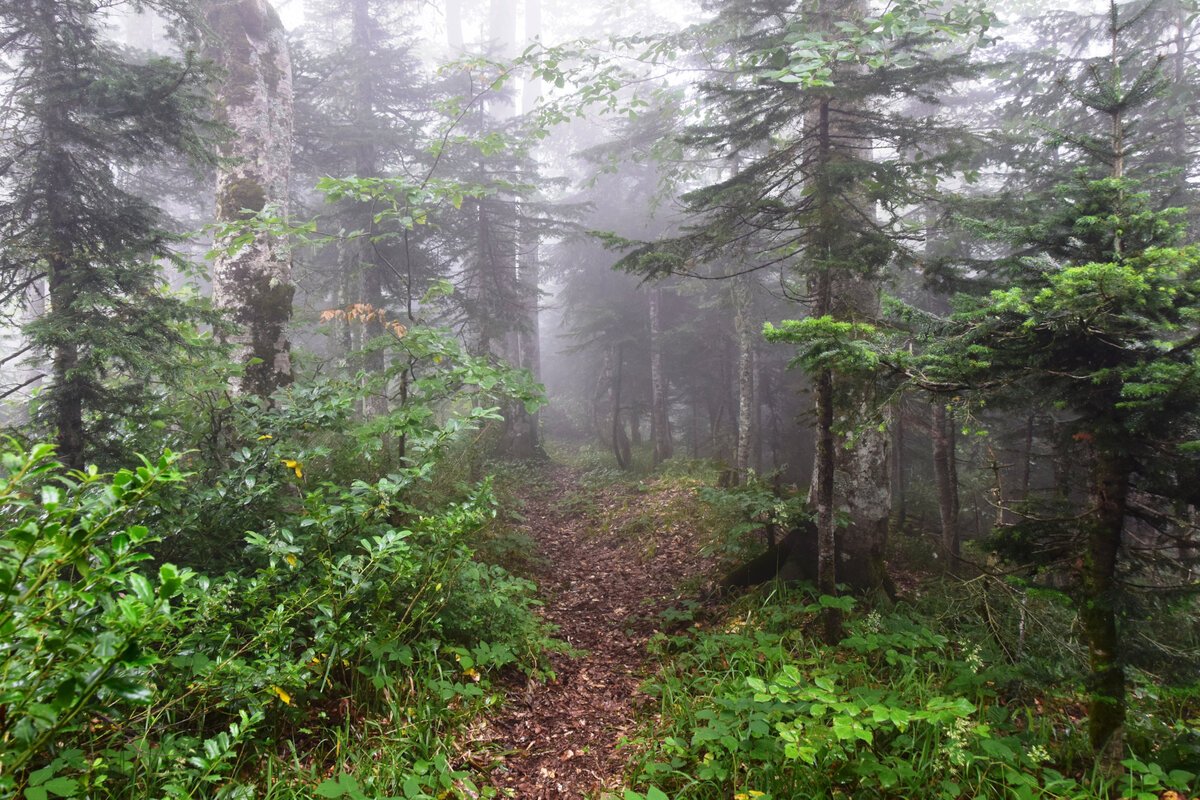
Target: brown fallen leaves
(603, 589)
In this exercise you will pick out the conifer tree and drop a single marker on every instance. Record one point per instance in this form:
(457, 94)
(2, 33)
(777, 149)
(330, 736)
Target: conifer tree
(79, 111)
(1103, 323)
(811, 113)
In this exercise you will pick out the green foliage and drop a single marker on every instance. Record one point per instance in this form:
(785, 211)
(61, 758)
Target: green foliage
(77, 617)
(84, 113)
(738, 512)
(828, 344)
(334, 569)
(755, 706)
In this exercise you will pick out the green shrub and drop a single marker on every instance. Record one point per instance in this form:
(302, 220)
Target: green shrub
(756, 707)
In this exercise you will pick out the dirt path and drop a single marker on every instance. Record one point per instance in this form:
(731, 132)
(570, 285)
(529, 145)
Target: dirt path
(604, 590)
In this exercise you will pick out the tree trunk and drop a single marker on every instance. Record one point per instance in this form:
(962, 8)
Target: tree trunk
(1109, 487)
(255, 101)
(743, 325)
(603, 387)
(826, 521)
(941, 477)
(1027, 457)
(454, 34)
(66, 396)
(952, 466)
(899, 492)
(532, 89)
(756, 415)
(366, 166)
(524, 440)
(839, 250)
(660, 430)
(620, 440)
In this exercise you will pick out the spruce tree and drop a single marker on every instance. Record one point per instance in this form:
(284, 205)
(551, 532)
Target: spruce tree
(80, 111)
(810, 103)
(1101, 322)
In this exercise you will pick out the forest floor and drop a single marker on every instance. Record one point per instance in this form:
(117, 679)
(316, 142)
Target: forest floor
(609, 560)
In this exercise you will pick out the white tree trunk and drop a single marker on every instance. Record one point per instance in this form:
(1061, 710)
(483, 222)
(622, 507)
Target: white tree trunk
(255, 101)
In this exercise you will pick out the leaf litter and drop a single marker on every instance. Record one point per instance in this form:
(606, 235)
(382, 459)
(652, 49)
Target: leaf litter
(607, 570)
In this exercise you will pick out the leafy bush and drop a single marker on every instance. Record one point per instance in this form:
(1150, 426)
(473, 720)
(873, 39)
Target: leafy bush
(758, 708)
(739, 512)
(313, 599)
(78, 621)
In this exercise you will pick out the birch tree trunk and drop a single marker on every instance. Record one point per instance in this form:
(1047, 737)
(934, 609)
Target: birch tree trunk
(255, 101)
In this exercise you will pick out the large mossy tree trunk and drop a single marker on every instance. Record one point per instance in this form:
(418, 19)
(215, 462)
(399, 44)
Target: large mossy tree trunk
(826, 494)
(254, 284)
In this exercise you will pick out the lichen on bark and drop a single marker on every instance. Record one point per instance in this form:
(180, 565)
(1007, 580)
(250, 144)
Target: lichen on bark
(254, 99)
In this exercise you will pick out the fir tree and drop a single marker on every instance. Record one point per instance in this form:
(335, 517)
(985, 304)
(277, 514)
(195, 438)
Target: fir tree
(1102, 322)
(830, 161)
(80, 111)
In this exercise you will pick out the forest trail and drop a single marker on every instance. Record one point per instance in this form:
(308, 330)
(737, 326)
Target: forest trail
(608, 572)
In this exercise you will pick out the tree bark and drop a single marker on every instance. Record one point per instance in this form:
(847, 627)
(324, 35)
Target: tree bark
(826, 521)
(255, 101)
(899, 491)
(366, 166)
(1027, 457)
(840, 251)
(660, 430)
(942, 480)
(521, 438)
(620, 440)
(68, 385)
(1109, 488)
(454, 34)
(532, 89)
(743, 325)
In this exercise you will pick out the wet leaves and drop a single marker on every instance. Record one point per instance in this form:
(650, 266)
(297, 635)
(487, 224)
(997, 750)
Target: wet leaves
(612, 564)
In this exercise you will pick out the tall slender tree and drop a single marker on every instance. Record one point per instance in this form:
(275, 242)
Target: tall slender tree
(829, 164)
(78, 112)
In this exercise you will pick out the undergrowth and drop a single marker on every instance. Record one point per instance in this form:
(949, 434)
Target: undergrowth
(293, 608)
(755, 706)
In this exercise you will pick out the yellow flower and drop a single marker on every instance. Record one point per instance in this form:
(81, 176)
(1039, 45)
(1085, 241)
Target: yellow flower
(284, 696)
(265, 436)
(293, 465)
(472, 673)
(291, 559)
